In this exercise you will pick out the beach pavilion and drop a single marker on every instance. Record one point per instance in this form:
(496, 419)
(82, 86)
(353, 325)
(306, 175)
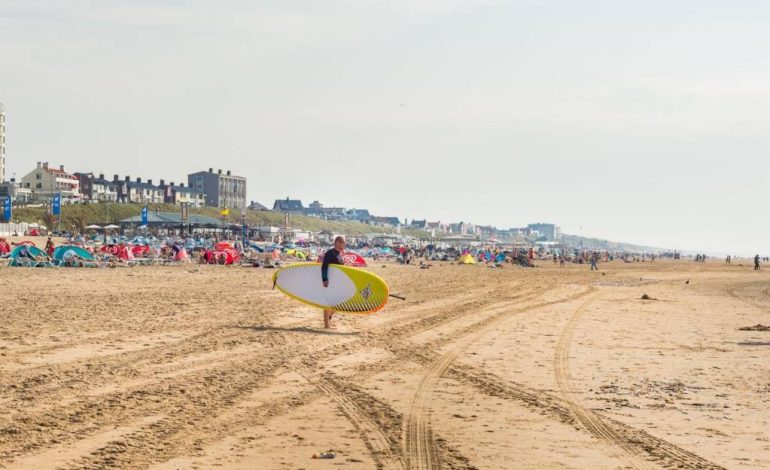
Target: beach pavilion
(171, 223)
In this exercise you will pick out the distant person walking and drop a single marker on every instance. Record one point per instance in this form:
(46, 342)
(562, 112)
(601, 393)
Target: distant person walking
(756, 263)
(594, 259)
(332, 256)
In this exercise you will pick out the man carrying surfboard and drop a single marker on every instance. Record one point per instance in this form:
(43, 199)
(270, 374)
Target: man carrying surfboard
(333, 256)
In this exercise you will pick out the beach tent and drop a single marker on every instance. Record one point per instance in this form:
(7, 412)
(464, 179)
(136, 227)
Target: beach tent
(467, 259)
(224, 256)
(181, 255)
(29, 256)
(72, 255)
(349, 258)
(140, 250)
(111, 249)
(353, 259)
(296, 253)
(224, 246)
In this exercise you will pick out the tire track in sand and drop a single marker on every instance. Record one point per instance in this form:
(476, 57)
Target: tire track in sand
(665, 453)
(381, 448)
(586, 417)
(632, 442)
(385, 449)
(419, 445)
(363, 411)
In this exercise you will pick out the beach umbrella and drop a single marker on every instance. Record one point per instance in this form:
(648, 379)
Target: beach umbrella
(94, 227)
(111, 227)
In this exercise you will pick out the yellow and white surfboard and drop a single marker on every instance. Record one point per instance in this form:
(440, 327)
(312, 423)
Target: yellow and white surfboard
(350, 290)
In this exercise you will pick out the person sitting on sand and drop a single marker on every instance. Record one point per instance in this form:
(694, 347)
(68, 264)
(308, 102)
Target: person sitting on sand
(332, 256)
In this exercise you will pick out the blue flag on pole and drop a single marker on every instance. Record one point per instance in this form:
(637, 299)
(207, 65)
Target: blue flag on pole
(144, 215)
(56, 207)
(8, 209)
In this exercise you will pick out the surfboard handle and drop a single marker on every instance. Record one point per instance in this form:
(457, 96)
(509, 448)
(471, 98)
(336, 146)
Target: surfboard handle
(397, 296)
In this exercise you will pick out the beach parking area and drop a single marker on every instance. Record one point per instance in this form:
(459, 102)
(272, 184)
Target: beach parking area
(207, 366)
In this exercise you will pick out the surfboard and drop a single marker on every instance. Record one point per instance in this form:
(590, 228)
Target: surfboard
(350, 290)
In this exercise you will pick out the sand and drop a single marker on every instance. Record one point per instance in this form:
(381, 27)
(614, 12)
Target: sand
(207, 367)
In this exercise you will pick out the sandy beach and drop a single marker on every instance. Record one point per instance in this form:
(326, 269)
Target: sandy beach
(205, 366)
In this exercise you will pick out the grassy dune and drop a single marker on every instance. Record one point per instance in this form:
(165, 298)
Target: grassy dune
(80, 216)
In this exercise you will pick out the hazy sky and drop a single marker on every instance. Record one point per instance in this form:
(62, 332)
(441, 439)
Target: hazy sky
(643, 121)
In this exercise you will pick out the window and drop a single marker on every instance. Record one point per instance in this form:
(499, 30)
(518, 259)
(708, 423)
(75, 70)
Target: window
(38, 176)
(39, 185)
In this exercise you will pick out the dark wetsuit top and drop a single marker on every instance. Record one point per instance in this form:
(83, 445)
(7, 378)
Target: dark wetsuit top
(331, 257)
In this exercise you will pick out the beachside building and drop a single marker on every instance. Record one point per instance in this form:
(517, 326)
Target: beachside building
(386, 221)
(548, 231)
(316, 209)
(157, 219)
(255, 206)
(14, 190)
(2, 143)
(462, 228)
(290, 206)
(486, 230)
(221, 189)
(522, 231)
(438, 227)
(181, 194)
(358, 215)
(97, 189)
(138, 191)
(44, 181)
(419, 224)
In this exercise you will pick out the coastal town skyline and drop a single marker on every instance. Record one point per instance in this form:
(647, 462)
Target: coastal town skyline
(496, 112)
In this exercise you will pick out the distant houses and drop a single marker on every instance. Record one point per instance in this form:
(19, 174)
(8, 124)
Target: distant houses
(288, 206)
(255, 206)
(97, 188)
(316, 209)
(225, 190)
(386, 221)
(204, 188)
(358, 215)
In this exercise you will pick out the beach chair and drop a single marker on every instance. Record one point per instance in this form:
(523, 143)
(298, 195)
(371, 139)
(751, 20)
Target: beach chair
(43, 262)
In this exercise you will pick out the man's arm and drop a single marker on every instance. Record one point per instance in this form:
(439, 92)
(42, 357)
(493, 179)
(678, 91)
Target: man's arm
(325, 269)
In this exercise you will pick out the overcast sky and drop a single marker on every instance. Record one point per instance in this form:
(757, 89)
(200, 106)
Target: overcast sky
(644, 122)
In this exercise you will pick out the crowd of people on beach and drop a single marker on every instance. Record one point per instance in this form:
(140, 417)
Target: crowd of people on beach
(116, 251)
